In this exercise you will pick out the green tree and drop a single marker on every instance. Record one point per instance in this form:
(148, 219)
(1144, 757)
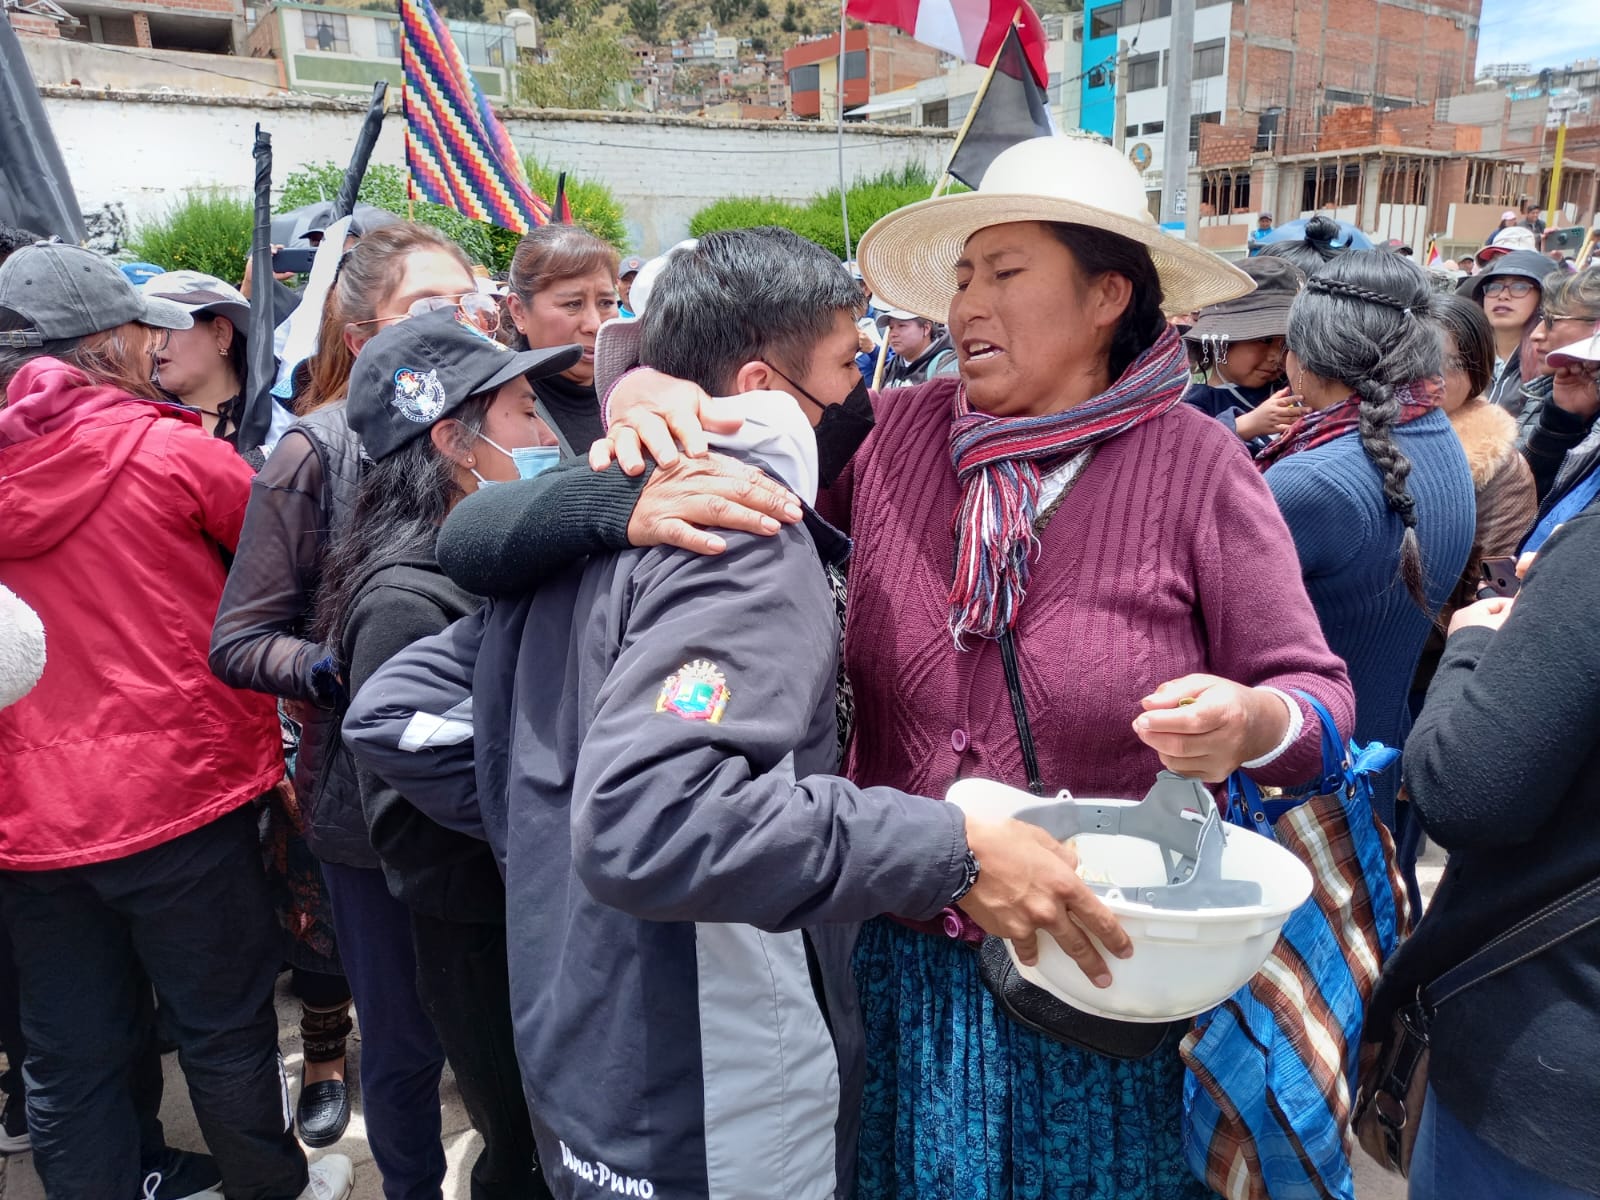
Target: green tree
(685, 23)
(586, 65)
(760, 11)
(788, 24)
(463, 10)
(593, 205)
(724, 11)
(645, 16)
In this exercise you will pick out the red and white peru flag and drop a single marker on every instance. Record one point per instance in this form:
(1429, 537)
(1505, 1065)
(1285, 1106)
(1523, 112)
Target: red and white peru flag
(969, 29)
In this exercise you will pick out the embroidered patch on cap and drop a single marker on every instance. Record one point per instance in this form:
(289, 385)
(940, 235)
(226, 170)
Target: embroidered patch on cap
(418, 397)
(696, 691)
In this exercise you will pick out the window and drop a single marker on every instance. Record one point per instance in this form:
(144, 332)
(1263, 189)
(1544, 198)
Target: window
(1099, 77)
(936, 115)
(805, 79)
(389, 39)
(1134, 11)
(1210, 3)
(855, 64)
(1208, 58)
(1197, 120)
(1131, 131)
(1103, 22)
(1144, 72)
(326, 31)
(1150, 127)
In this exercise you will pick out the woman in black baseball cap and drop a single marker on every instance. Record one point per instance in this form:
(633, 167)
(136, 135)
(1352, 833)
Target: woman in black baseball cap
(442, 410)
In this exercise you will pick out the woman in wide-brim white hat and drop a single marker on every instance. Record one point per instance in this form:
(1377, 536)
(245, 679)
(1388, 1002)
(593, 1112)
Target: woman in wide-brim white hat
(1098, 524)
(1119, 547)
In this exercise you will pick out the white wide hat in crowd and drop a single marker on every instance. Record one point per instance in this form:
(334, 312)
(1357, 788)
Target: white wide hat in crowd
(909, 257)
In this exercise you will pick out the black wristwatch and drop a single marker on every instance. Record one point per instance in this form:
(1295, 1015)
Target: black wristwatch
(971, 866)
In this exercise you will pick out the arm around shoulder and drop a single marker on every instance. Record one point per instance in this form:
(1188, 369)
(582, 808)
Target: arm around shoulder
(505, 540)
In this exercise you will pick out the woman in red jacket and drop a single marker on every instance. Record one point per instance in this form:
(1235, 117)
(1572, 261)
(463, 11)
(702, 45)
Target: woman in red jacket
(128, 851)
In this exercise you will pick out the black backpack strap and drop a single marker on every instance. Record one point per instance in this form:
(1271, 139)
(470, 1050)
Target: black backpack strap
(1555, 923)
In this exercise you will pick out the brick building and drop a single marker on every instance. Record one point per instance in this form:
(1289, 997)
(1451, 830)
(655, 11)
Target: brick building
(876, 59)
(209, 26)
(1271, 68)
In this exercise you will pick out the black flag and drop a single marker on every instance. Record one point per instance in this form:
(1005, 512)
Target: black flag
(262, 369)
(35, 192)
(1012, 109)
(345, 202)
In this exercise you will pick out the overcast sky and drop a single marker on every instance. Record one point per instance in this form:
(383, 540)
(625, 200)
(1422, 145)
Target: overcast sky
(1543, 33)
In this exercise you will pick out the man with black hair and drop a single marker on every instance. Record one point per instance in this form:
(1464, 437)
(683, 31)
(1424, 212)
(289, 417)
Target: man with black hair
(651, 739)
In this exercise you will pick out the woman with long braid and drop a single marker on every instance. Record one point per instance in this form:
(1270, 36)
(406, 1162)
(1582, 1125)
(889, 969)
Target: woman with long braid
(1373, 484)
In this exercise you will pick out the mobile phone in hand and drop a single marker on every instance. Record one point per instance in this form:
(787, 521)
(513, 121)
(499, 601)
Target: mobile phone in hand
(1499, 578)
(298, 261)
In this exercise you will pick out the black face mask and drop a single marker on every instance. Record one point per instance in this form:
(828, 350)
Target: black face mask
(841, 429)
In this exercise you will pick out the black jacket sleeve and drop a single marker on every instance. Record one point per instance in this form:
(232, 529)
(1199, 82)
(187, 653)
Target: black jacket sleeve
(1511, 716)
(1552, 436)
(410, 724)
(505, 540)
(259, 642)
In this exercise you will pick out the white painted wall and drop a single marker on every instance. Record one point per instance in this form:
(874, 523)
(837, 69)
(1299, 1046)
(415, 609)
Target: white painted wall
(144, 151)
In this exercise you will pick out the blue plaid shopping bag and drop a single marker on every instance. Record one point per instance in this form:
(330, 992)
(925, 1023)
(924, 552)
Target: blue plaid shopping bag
(1271, 1071)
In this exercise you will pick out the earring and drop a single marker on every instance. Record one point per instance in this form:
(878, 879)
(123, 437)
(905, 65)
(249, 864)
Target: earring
(222, 350)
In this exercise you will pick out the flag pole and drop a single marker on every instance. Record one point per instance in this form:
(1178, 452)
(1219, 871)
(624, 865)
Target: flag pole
(844, 192)
(883, 361)
(966, 124)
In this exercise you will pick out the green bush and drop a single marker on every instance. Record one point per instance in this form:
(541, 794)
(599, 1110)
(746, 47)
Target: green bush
(818, 218)
(206, 232)
(384, 186)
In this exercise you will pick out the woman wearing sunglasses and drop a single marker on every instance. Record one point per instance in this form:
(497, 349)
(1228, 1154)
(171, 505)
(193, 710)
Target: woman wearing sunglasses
(1569, 313)
(1509, 293)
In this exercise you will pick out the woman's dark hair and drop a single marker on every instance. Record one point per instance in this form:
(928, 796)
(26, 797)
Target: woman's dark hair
(238, 354)
(403, 499)
(118, 357)
(552, 253)
(1100, 253)
(1467, 326)
(368, 274)
(1315, 250)
(1363, 320)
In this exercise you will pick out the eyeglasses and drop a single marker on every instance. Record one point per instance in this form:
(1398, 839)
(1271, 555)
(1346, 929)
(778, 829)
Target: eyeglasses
(472, 308)
(1550, 320)
(1509, 287)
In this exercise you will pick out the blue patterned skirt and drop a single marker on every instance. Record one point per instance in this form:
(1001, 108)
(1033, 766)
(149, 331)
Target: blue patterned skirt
(962, 1103)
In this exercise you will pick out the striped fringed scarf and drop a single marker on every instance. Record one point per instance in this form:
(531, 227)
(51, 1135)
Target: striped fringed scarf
(998, 461)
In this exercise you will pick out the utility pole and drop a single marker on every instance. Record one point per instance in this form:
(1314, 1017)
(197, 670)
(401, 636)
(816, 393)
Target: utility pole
(1180, 85)
(1118, 134)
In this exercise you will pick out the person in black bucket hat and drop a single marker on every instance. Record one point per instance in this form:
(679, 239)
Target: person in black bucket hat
(1510, 290)
(1237, 349)
(420, 911)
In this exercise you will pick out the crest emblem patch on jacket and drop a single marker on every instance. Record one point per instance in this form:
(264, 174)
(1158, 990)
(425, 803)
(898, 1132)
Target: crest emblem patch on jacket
(418, 397)
(696, 691)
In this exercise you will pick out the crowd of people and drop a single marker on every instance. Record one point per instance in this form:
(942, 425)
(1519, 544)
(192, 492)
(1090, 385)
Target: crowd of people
(567, 688)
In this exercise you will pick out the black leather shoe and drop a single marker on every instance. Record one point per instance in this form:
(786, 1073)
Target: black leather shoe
(323, 1112)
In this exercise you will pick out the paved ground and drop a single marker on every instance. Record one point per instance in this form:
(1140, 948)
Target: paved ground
(18, 1181)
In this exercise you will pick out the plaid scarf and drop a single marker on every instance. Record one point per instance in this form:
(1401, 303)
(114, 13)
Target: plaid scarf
(999, 460)
(1417, 399)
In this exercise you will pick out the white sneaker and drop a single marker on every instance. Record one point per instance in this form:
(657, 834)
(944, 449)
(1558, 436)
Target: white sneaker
(152, 1182)
(332, 1177)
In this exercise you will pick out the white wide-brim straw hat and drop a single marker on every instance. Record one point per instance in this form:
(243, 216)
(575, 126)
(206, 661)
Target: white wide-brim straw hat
(909, 257)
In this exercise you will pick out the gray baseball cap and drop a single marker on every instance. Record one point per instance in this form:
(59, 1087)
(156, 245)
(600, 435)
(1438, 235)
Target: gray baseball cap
(64, 291)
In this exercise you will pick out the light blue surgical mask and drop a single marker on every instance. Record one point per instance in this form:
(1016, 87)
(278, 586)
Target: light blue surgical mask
(528, 460)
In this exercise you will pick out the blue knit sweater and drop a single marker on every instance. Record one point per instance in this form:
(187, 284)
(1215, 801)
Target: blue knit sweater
(1349, 546)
